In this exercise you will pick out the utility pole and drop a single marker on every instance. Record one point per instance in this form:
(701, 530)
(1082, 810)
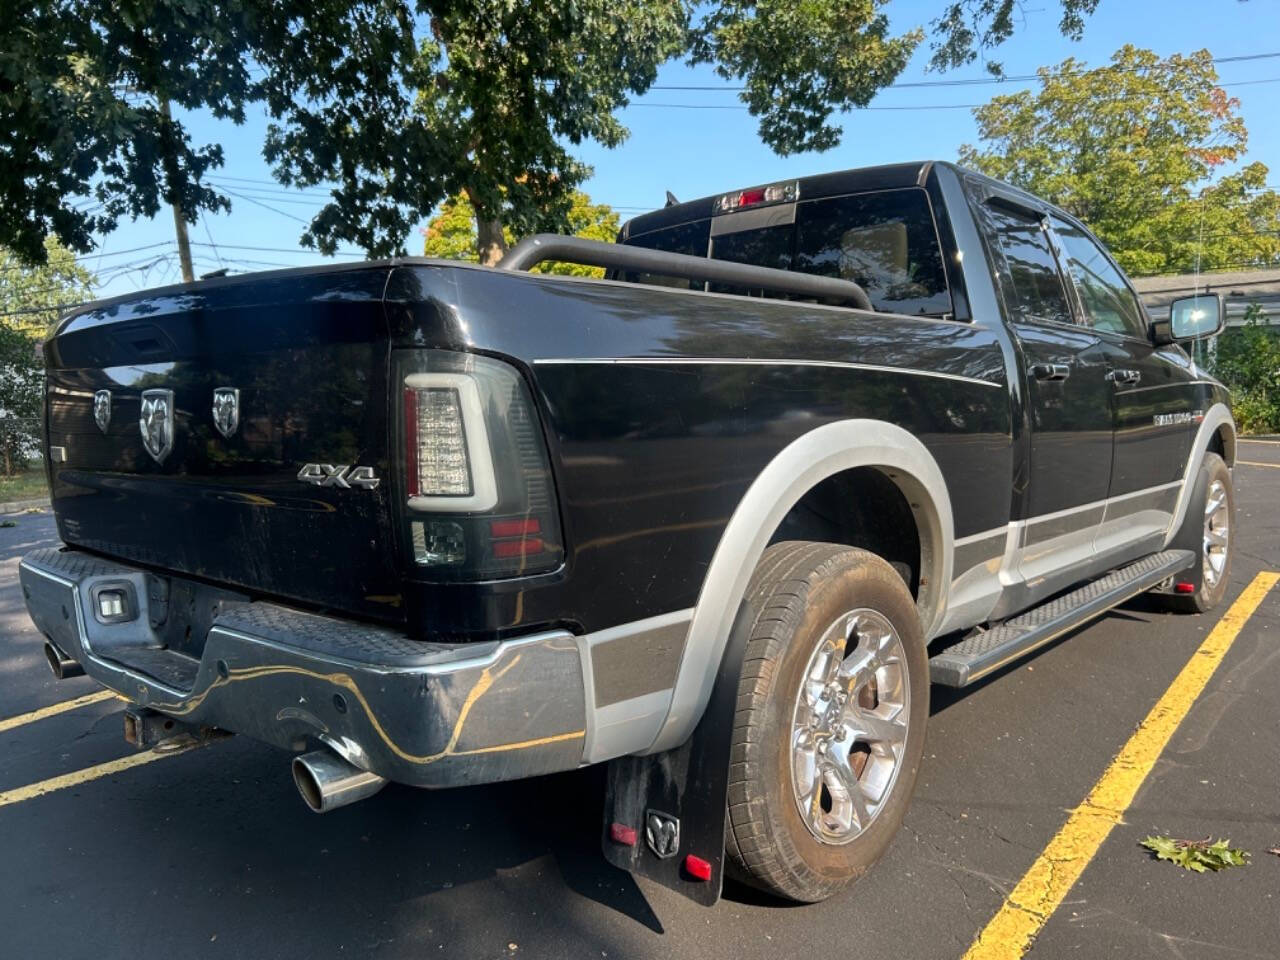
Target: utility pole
(179, 221)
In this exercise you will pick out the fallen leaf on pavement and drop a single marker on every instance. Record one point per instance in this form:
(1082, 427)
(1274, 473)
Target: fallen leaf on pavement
(1197, 855)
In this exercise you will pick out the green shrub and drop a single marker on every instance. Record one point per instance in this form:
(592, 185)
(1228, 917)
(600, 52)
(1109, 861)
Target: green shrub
(1247, 360)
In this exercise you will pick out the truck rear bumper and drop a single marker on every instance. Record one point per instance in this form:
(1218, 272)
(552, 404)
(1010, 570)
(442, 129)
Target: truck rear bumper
(427, 714)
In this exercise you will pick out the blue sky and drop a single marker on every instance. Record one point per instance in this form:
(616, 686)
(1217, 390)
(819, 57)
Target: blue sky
(693, 151)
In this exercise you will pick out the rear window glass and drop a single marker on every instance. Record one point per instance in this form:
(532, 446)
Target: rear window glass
(885, 241)
(688, 238)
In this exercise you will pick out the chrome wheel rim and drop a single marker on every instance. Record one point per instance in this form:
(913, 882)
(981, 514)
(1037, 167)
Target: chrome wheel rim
(1217, 532)
(849, 726)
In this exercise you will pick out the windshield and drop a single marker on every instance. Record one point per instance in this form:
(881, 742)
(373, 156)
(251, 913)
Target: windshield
(885, 241)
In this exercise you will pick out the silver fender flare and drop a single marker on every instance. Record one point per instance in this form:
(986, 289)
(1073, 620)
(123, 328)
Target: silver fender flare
(1215, 417)
(802, 464)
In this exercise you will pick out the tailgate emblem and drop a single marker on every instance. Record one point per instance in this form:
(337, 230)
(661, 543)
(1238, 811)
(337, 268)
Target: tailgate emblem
(226, 410)
(156, 423)
(342, 475)
(102, 409)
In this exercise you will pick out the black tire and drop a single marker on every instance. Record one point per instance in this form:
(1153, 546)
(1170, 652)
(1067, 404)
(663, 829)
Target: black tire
(800, 590)
(1209, 592)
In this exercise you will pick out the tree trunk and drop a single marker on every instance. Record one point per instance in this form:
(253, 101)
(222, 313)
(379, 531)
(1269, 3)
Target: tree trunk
(490, 243)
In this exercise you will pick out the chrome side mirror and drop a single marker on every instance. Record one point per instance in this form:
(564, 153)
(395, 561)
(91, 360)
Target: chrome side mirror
(1194, 317)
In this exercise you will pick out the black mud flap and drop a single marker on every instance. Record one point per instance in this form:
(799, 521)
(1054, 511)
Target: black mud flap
(664, 814)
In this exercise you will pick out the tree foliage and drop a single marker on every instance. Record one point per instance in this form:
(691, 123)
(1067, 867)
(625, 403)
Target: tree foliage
(1132, 149)
(401, 104)
(451, 233)
(802, 62)
(967, 29)
(1247, 360)
(31, 298)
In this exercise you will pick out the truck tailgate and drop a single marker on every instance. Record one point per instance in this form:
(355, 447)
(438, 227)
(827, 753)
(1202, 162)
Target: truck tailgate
(307, 356)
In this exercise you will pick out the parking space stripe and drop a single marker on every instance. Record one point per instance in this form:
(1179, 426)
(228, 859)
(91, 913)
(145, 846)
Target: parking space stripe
(1258, 463)
(56, 708)
(1044, 886)
(88, 774)
(1251, 440)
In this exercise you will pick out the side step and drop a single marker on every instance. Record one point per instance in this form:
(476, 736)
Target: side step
(979, 654)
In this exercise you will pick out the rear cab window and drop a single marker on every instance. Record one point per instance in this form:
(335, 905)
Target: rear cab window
(885, 240)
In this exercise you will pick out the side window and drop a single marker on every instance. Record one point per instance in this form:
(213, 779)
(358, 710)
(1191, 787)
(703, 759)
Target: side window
(1033, 271)
(1108, 302)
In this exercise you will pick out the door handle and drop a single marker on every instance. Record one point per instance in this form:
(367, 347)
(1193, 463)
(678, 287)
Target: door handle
(1050, 371)
(1124, 378)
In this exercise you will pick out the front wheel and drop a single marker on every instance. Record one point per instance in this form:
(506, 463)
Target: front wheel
(1208, 527)
(830, 724)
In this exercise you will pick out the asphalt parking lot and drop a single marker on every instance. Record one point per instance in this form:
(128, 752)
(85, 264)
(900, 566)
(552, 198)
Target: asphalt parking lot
(211, 853)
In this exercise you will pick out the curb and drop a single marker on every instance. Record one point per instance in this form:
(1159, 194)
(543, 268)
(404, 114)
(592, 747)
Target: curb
(18, 506)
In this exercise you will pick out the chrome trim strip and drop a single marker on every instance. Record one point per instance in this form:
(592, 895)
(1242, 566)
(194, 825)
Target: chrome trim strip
(762, 362)
(1169, 385)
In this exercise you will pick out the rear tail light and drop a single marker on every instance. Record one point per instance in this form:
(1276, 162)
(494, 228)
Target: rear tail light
(477, 481)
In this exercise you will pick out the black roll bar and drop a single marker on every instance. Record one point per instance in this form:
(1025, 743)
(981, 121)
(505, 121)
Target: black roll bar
(541, 247)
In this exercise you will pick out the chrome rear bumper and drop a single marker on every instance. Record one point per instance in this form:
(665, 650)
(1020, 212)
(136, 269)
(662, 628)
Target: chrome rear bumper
(428, 714)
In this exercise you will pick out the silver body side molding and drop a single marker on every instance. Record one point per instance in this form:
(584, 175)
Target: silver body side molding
(802, 464)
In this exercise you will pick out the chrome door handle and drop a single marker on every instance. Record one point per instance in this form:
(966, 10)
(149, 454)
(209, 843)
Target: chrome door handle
(1050, 371)
(1124, 378)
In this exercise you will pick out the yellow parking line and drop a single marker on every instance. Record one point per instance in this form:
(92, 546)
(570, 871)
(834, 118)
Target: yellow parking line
(77, 777)
(54, 709)
(1044, 886)
(1259, 463)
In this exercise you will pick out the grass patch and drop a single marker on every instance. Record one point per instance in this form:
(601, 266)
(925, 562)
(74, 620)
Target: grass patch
(28, 485)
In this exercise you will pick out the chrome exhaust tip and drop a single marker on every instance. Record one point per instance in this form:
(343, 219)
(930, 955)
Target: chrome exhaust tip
(61, 665)
(327, 782)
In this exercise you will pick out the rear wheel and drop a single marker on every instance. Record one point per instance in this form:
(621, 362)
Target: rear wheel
(829, 728)
(1208, 526)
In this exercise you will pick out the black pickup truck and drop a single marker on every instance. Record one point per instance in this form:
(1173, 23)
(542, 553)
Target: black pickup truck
(718, 519)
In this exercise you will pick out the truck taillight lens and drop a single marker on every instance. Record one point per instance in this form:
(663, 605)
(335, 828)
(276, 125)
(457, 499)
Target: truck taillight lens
(478, 484)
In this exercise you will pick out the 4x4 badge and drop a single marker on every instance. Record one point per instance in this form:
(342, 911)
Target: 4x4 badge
(156, 423)
(342, 475)
(102, 409)
(226, 410)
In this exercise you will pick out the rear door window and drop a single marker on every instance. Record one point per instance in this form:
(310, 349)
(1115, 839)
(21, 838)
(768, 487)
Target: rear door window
(1035, 285)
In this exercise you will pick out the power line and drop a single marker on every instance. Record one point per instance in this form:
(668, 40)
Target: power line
(980, 81)
(919, 106)
(266, 206)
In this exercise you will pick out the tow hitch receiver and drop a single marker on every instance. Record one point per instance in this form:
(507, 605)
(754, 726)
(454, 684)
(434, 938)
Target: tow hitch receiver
(144, 728)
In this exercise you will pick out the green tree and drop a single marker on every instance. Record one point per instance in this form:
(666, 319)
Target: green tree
(967, 29)
(401, 104)
(87, 132)
(1247, 360)
(1132, 149)
(31, 298)
(451, 233)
